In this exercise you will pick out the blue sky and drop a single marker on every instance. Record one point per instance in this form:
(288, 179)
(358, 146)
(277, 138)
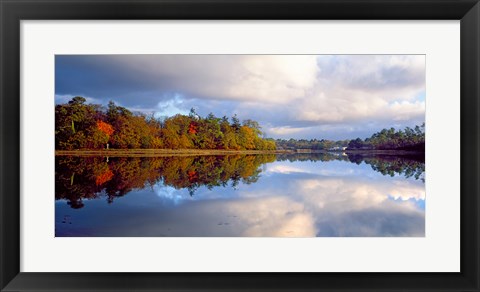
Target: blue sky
(291, 96)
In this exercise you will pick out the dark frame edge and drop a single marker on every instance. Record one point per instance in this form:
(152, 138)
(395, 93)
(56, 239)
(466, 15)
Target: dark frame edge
(9, 145)
(12, 280)
(470, 143)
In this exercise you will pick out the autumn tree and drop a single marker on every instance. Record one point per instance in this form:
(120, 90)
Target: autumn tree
(75, 125)
(85, 126)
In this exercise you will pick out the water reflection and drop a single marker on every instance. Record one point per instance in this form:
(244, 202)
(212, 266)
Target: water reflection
(79, 178)
(408, 165)
(241, 195)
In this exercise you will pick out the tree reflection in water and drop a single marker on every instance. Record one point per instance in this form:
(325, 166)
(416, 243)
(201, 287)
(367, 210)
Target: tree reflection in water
(407, 165)
(80, 178)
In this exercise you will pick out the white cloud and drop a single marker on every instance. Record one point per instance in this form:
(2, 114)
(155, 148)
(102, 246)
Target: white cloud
(171, 107)
(346, 90)
(291, 94)
(265, 78)
(405, 110)
(354, 88)
(273, 216)
(284, 130)
(285, 169)
(353, 194)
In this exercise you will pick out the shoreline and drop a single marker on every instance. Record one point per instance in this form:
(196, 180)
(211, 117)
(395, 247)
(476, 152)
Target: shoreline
(163, 152)
(191, 152)
(384, 152)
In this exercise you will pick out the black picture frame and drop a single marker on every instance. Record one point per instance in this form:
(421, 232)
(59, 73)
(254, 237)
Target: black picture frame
(13, 11)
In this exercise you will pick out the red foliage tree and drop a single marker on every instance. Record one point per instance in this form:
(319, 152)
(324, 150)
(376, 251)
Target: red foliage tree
(103, 177)
(193, 128)
(105, 128)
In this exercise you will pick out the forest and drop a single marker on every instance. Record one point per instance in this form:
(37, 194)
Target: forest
(79, 125)
(391, 139)
(387, 139)
(313, 144)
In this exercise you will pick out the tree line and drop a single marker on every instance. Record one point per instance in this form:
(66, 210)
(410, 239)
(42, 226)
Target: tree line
(79, 125)
(387, 139)
(313, 144)
(391, 139)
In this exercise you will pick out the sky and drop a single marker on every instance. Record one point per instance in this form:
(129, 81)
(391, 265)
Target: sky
(292, 96)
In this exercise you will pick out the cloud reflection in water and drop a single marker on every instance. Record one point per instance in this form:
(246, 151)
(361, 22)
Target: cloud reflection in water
(288, 199)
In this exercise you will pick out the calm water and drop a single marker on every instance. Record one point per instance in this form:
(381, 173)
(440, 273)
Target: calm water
(301, 195)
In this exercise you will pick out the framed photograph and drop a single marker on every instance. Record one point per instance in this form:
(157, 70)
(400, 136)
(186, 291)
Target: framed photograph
(238, 145)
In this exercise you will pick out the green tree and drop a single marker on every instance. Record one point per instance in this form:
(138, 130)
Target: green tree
(86, 126)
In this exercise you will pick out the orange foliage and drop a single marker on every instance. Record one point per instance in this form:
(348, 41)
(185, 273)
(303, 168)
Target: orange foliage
(105, 128)
(193, 128)
(103, 177)
(192, 175)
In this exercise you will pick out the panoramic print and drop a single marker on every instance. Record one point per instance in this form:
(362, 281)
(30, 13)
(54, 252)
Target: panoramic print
(240, 146)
